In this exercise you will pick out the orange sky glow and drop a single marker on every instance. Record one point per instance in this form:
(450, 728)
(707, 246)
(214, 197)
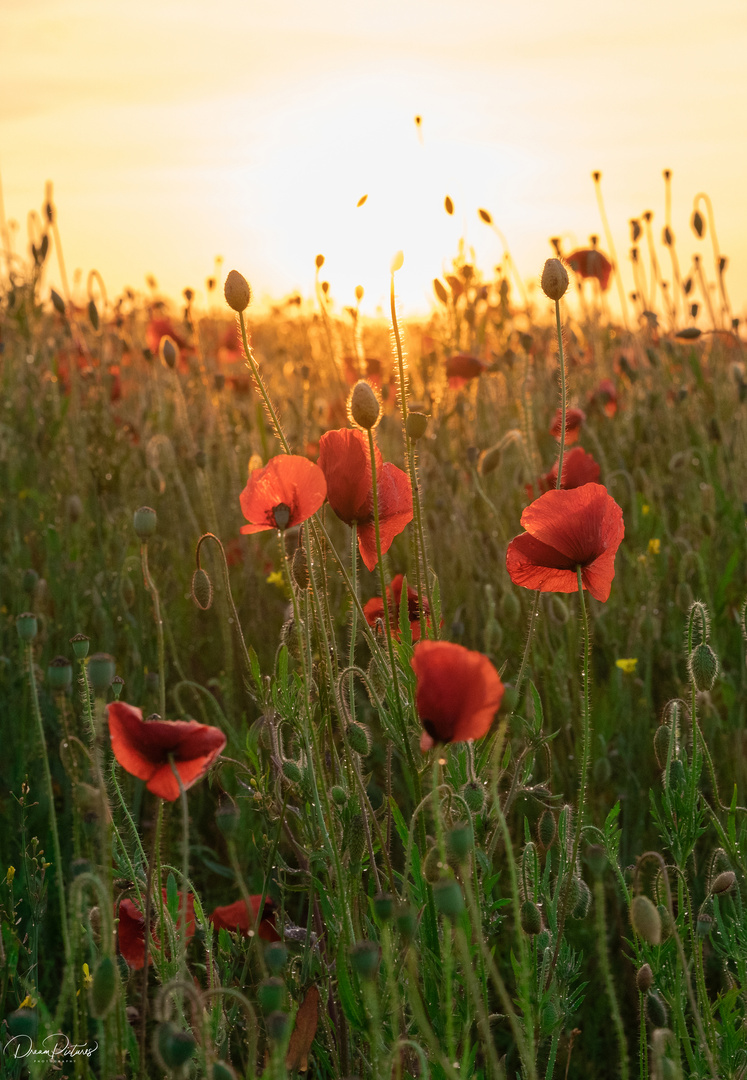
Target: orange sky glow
(178, 130)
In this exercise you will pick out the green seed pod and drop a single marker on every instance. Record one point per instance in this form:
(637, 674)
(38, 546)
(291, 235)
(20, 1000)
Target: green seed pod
(646, 921)
(473, 794)
(144, 522)
(383, 905)
(339, 795)
(359, 738)
(276, 957)
(237, 291)
(221, 1070)
(581, 908)
(59, 674)
(270, 994)
(80, 645)
(227, 817)
(417, 424)
(292, 771)
(100, 668)
(549, 1017)
(459, 842)
(26, 626)
(546, 829)
(703, 666)
(104, 988)
(202, 589)
(531, 918)
(644, 978)
(172, 1046)
(723, 882)
(656, 1010)
(364, 959)
(448, 897)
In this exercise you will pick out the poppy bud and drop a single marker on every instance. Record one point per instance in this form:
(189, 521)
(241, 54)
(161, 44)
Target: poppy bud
(359, 738)
(319, 261)
(490, 459)
(277, 1025)
(596, 859)
(57, 302)
(270, 994)
(417, 425)
(356, 838)
(459, 842)
(661, 744)
(667, 925)
(448, 897)
(202, 589)
(359, 293)
(59, 673)
(407, 924)
(723, 882)
(364, 959)
(398, 262)
(473, 794)
(644, 978)
(23, 1022)
(221, 1070)
(704, 924)
(656, 1010)
(485, 216)
(237, 291)
(383, 905)
(546, 829)
(93, 314)
(173, 1047)
(117, 686)
(104, 988)
(440, 291)
(276, 957)
(26, 626)
(300, 568)
(554, 279)
(168, 351)
(292, 771)
(339, 795)
(703, 666)
(583, 902)
(364, 406)
(531, 918)
(101, 668)
(646, 921)
(144, 522)
(698, 227)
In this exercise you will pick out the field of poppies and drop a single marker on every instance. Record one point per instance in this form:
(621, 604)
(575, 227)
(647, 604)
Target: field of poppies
(373, 693)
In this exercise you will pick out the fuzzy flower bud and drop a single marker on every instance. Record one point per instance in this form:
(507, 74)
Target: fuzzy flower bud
(364, 406)
(554, 279)
(237, 292)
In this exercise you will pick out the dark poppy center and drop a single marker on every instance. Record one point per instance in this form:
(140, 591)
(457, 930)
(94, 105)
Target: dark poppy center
(435, 734)
(281, 514)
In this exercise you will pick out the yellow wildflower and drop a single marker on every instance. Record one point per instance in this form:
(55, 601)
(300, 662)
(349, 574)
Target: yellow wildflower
(645, 509)
(28, 1002)
(276, 578)
(11, 873)
(654, 546)
(627, 665)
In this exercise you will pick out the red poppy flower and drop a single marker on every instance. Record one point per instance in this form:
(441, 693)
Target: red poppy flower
(287, 491)
(161, 327)
(374, 609)
(230, 346)
(143, 748)
(591, 263)
(574, 418)
(462, 367)
(343, 457)
(579, 468)
(458, 692)
(606, 396)
(238, 916)
(131, 929)
(566, 529)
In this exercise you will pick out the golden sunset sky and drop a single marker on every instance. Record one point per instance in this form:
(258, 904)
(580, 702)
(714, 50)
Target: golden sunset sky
(178, 130)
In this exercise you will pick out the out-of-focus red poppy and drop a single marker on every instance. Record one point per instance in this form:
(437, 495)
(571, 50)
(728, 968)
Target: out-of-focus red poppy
(234, 552)
(462, 367)
(564, 530)
(131, 929)
(457, 695)
(370, 369)
(143, 748)
(159, 327)
(238, 916)
(230, 347)
(591, 263)
(579, 468)
(605, 396)
(574, 418)
(344, 459)
(374, 609)
(287, 491)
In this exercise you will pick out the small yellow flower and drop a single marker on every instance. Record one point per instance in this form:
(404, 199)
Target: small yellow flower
(87, 977)
(276, 578)
(11, 873)
(28, 1002)
(654, 546)
(645, 509)
(628, 665)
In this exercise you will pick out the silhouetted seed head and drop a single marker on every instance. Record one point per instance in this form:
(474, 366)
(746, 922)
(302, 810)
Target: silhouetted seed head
(57, 302)
(448, 205)
(698, 224)
(722, 263)
(554, 279)
(666, 236)
(168, 350)
(359, 293)
(417, 425)
(635, 230)
(596, 176)
(325, 287)
(645, 920)
(397, 262)
(485, 216)
(667, 174)
(644, 978)
(555, 241)
(237, 292)
(364, 406)
(647, 215)
(440, 291)
(319, 262)
(144, 522)
(202, 589)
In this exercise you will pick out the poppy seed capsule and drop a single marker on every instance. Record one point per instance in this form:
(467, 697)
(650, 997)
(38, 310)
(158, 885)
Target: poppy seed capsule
(417, 425)
(117, 686)
(202, 589)
(270, 994)
(554, 279)
(144, 522)
(26, 626)
(703, 666)
(383, 905)
(59, 673)
(237, 292)
(724, 882)
(80, 645)
(276, 957)
(364, 959)
(221, 1070)
(101, 668)
(364, 406)
(173, 1047)
(459, 842)
(645, 920)
(277, 1025)
(644, 978)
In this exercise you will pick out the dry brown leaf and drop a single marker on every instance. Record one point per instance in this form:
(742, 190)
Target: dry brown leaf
(304, 1030)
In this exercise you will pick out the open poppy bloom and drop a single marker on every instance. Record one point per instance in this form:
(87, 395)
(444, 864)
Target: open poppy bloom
(462, 367)
(582, 528)
(144, 747)
(131, 929)
(591, 263)
(457, 695)
(579, 468)
(574, 418)
(239, 917)
(374, 609)
(287, 491)
(344, 460)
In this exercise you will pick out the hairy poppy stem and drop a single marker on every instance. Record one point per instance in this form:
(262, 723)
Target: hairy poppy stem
(185, 868)
(154, 860)
(563, 395)
(151, 587)
(261, 386)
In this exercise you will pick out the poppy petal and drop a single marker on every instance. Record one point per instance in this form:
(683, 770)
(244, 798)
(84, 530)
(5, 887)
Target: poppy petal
(289, 479)
(535, 565)
(458, 691)
(344, 460)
